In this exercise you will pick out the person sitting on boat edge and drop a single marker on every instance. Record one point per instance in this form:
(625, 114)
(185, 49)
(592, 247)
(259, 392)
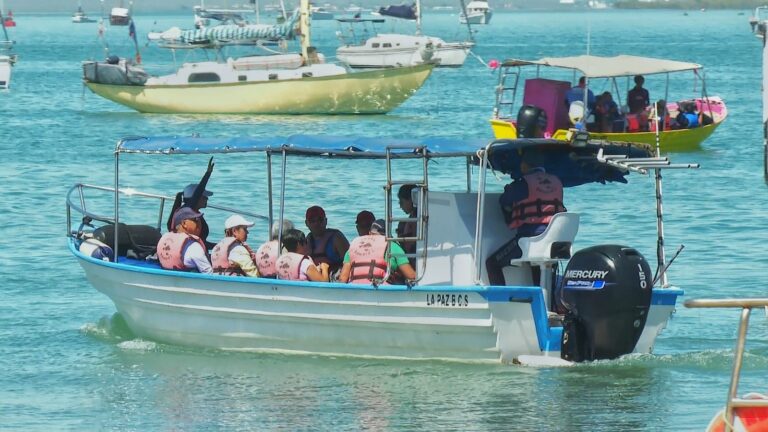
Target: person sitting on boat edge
(183, 249)
(366, 260)
(528, 204)
(232, 256)
(266, 255)
(295, 264)
(195, 197)
(407, 229)
(326, 245)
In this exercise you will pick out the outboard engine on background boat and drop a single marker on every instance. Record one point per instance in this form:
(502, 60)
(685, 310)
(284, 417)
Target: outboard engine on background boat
(531, 122)
(607, 291)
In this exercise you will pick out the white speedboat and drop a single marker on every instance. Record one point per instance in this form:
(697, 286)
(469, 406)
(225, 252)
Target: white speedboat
(394, 50)
(272, 84)
(476, 12)
(80, 17)
(615, 305)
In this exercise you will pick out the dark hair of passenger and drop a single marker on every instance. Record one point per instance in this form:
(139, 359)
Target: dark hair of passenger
(292, 239)
(405, 191)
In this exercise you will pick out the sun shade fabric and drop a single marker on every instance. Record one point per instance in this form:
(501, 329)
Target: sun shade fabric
(574, 165)
(399, 11)
(236, 32)
(607, 67)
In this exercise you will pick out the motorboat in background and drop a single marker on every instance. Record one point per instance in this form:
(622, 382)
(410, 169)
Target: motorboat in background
(6, 19)
(749, 412)
(80, 17)
(120, 16)
(394, 49)
(275, 83)
(548, 96)
(320, 13)
(608, 302)
(7, 58)
(476, 12)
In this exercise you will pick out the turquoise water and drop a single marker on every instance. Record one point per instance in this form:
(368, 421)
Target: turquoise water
(68, 363)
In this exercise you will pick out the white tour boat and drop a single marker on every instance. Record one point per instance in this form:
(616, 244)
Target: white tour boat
(615, 303)
(271, 84)
(394, 49)
(476, 12)
(80, 17)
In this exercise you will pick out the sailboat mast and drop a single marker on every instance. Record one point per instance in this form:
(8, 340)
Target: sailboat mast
(304, 27)
(418, 17)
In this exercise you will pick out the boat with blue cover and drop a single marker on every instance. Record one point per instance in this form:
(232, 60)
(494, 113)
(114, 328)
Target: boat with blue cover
(614, 303)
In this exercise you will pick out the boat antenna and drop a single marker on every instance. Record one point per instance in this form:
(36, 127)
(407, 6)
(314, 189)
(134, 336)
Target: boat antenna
(466, 21)
(660, 255)
(418, 17)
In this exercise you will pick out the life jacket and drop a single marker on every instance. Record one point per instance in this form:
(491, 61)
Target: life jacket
(637, 122)
(289, 266)
(666, 124)
(693, 119)
(220, 257)
(366, 254)
(171, 249)
(545, 198)
(322, 249)
(266, 256)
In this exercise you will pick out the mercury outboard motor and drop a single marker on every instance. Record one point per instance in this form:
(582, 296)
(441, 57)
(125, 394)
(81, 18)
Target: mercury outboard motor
(607, 291)
(531, 122)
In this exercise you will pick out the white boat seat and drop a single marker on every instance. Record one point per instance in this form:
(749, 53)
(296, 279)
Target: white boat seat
(553, 244)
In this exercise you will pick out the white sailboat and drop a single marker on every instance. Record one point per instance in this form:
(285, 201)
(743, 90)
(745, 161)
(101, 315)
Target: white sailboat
(476, 12)
(7, 59)
(394, 49)
(271, 84)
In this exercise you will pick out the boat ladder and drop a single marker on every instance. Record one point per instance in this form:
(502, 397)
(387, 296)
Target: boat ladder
(506, 92)
(422, 214)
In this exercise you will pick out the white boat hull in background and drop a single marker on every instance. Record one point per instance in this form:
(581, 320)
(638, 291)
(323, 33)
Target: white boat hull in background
(6, 64)
(395, 50)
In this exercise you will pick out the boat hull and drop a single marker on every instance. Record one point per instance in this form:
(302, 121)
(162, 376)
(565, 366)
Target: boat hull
(370, 92)
(671, 140)
(6, 65)
(476, 18)
(472, 323)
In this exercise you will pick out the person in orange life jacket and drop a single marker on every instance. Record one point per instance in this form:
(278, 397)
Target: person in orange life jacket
(195, 197)
(528, 204)
(407, 229)
(295, 264)
(326, 245)
(266, 255)
(233, 256)
(366, 259)
(183, 249)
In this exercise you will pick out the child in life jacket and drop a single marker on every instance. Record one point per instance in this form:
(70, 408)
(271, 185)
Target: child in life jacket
(232, 255)
(266, 255)
(296, 264)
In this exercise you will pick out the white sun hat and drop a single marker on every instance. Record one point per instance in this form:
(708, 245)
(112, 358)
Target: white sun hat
(235, 221)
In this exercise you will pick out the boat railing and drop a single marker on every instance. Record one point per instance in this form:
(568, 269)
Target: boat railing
(746, 306)
(76, 200)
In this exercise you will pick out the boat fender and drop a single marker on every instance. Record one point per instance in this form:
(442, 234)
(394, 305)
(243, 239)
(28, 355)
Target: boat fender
(96, 249)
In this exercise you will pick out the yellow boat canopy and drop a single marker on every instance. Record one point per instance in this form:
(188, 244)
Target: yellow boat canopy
(608, 67)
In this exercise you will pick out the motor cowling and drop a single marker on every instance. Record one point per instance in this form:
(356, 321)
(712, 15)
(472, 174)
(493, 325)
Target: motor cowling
(531, 122)
(607, 292)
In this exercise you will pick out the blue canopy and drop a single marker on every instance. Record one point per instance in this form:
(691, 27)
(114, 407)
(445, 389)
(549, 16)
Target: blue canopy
(574, 165)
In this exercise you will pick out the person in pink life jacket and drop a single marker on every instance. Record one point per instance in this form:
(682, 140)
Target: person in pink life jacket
(296, 264)
(266, 255)
(183, 249)
(366, 260)
(528, 205)
(232, 255)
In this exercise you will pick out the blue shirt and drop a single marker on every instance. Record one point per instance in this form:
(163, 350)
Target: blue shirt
(577, 94)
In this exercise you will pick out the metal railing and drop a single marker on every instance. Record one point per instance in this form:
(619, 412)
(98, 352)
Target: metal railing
(746, 306)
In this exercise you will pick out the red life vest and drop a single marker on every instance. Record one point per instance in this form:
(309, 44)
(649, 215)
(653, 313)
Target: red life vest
(289, 266)
(545, 198)
(171, 249)
(220, 257)
(637, 122)
(667, 125)
(266, 256)
(366, 254)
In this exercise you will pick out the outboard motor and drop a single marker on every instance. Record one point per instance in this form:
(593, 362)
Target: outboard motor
(531, 122)
(607, 291)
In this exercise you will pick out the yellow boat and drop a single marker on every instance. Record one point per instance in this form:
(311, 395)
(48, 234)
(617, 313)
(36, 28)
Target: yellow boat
(549, 96)
(273, 84)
